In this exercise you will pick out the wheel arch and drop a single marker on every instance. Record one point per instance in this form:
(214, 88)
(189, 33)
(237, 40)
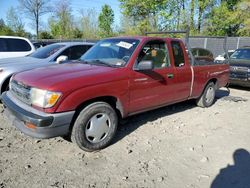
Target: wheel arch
(5, 83)
(111, 100)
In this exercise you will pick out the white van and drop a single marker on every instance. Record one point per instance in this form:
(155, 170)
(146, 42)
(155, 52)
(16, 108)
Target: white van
(12, 46)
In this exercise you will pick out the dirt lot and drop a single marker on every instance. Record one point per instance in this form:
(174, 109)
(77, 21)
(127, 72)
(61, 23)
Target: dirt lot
(179, 146)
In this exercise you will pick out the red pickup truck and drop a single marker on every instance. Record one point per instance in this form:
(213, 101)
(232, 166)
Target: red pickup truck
(116, 78)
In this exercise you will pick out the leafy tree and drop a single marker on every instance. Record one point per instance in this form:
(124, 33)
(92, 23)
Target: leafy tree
(4, 29)
(203, 6)
(105, 21)
(89, 24)
(243, 14)
(231, 4)
(77, 33)
(34, 10)
(61, 23)
(221, 21)
(45, 35)
(15, 23)
(192, 9)
(144, 14)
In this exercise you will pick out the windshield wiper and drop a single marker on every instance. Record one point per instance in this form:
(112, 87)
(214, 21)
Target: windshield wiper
(100, 62)
(82, 61)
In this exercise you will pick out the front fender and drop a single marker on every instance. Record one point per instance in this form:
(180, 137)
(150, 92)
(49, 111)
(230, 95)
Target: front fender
(118, 90)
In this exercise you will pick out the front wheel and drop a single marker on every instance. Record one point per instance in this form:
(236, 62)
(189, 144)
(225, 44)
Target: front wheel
(208, 96)
(95, 126)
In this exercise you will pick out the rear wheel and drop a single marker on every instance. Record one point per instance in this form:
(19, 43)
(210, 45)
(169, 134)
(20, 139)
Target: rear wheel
(95, 127)
(208, 96)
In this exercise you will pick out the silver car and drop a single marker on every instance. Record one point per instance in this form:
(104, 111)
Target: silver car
(45, 56)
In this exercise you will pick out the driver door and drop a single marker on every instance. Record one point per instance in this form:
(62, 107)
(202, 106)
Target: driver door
(157, 87)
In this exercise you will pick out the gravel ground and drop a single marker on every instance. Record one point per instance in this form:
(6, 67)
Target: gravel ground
(179, 146)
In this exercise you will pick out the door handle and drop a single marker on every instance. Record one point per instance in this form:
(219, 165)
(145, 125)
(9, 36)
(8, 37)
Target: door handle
(170, 75)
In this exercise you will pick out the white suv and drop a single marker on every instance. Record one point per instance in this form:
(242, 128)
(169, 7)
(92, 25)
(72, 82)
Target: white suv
(12, 46)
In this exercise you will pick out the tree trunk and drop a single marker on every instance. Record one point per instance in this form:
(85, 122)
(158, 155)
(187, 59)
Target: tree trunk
(192, 16)
(200, 19)
(37, 27)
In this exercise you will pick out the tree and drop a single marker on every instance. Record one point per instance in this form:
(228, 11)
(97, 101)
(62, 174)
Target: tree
(4, 29)
(45, 35)
(34, 10)
(203, 6)
(144, 14)
(243, 13)
(89, 24)
(221, 21)
(15, 23)
(192, 9)
(105, 21)
(61, 23)
(231, 4)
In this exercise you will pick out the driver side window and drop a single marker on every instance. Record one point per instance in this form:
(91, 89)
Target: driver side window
(156, 52)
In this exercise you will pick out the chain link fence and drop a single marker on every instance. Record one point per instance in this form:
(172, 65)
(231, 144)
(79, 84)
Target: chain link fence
(216, 44)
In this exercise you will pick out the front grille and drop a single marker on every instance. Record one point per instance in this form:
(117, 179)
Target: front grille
(20, 91)
(238, 75)
(238, 69)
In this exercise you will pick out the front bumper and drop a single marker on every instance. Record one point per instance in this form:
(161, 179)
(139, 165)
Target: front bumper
(44, 125)
(240, 78)
(239, 82)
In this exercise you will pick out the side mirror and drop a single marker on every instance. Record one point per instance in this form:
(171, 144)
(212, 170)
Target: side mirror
(145, 65)
(61, 58)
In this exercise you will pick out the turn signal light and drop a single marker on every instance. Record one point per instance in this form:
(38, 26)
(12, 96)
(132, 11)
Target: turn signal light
(30, 125)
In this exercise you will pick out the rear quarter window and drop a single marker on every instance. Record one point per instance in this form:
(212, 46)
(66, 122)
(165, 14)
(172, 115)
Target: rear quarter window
(3, 45)
(18, 45)
(178, 54)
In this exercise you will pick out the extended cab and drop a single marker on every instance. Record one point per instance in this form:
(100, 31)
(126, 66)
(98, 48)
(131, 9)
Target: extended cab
(116, 78)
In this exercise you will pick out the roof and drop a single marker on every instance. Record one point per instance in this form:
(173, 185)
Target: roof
(13, 37)
(74, 43)
(141, 37)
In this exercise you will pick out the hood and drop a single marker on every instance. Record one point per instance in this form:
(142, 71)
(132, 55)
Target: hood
(66, 77)
(19, 61)
(239, 62)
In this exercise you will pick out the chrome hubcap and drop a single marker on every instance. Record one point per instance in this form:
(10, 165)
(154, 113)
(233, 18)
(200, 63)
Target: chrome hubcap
(98, 128)
(210, 95)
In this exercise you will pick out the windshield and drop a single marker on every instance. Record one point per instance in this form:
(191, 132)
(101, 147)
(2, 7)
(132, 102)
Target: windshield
(47, 51)
(112, 52)
(241, 54)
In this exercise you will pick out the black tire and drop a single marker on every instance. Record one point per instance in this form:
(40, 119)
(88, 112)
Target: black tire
(5, 86)
(99, 113)
(208, 96)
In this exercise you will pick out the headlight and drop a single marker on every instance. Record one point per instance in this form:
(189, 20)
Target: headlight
(44, 98)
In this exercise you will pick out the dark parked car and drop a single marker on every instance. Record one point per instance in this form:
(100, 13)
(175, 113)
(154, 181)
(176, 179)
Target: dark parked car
(40, 44)
(240, 67)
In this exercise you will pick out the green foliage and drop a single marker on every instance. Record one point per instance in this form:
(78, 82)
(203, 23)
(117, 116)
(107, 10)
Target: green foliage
(204, 17)
(143, 14)
(5, 30)
(105, 21)
(45, 35)
(61, 24)
(231, 4)
(229, 19)
(89, 24)
(219, 21)
(243, 13)
(14, 22)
